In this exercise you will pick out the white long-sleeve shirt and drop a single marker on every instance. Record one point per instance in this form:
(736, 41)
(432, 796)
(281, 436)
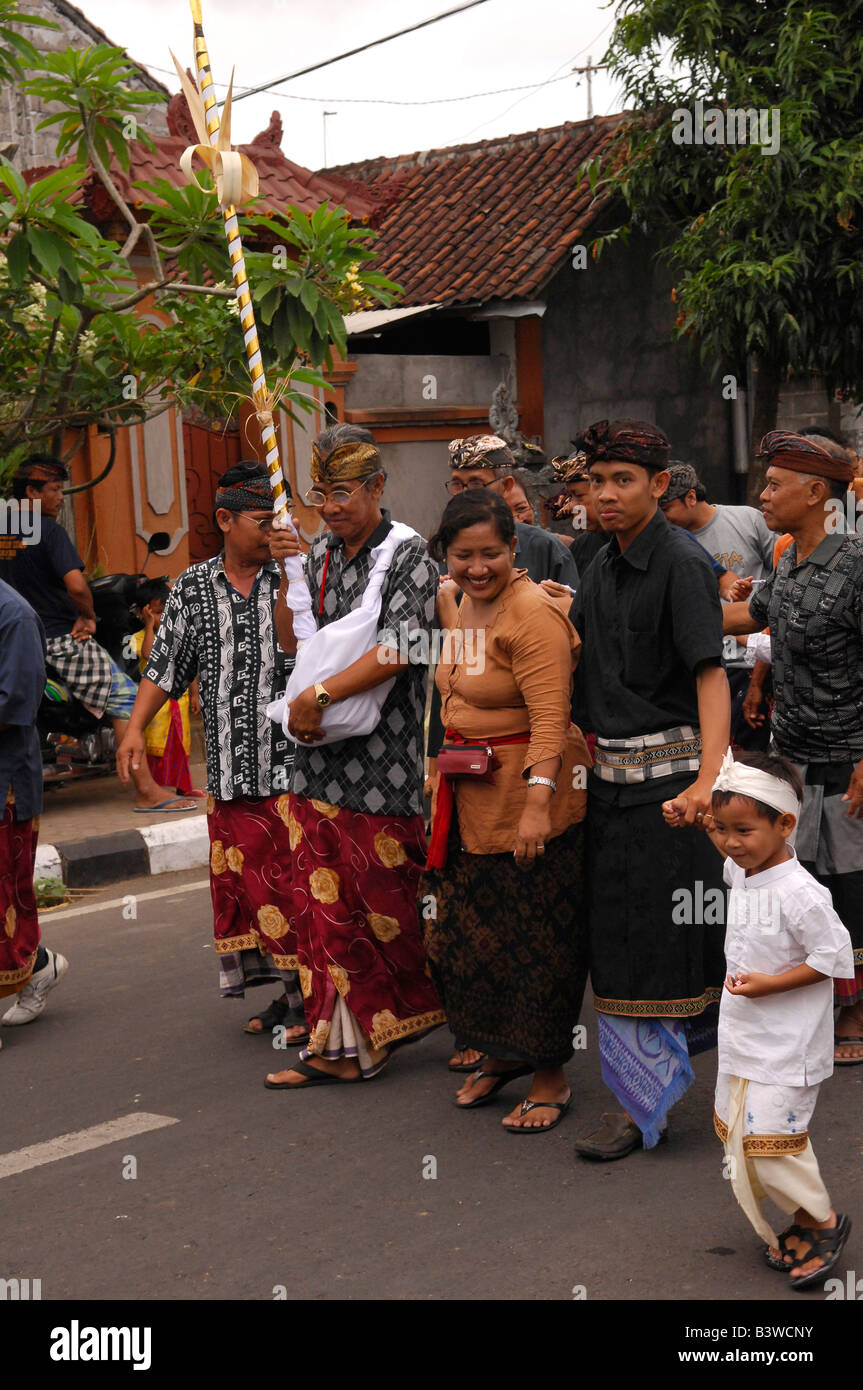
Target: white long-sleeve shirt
(777, 920)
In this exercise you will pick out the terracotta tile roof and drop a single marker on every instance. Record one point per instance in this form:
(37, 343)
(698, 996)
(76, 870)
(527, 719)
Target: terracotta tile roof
(282, 182)
(493, 220)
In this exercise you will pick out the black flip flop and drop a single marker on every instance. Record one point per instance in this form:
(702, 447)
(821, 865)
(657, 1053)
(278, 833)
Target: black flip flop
(528, 1105)
(828, 1238)
(840, 1041)
(501, 1080)
(466, 1066)
(314, 1076)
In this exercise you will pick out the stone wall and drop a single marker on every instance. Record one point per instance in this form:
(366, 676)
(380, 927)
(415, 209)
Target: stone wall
(607, 351)
(20, 114)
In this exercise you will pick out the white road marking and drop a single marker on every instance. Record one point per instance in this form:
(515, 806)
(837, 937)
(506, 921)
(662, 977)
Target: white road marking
(52, 917)
(65, 1145)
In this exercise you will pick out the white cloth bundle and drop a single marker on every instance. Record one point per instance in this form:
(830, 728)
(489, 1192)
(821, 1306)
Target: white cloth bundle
(333, 648)
(298, 598)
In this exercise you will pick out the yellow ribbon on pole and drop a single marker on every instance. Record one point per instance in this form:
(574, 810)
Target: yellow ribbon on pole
(233, 174)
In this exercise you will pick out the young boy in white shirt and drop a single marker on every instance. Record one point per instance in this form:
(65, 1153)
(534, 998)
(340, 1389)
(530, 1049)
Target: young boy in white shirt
(784, 946)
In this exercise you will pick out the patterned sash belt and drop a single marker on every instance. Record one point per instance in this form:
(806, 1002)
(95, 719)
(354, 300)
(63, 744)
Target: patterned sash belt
(647, 756)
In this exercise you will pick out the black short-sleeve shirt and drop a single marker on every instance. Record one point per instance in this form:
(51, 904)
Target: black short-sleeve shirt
(648, 617)
(37, 573)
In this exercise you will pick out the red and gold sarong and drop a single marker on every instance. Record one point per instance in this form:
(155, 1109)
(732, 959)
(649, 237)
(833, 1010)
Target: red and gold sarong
(19, 921)
(250, 882)
(363, 969)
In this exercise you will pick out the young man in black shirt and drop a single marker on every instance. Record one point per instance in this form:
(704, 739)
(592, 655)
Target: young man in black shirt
(49, 575)
(654, 691)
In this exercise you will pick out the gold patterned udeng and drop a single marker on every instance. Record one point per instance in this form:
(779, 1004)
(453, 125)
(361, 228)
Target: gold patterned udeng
(324, 884)
(384, 928)
(218, 863)
(234, 857)
(271, 921)
(389, 851)
(348, 462)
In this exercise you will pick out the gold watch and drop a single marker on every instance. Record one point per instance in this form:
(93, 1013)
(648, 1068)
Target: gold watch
(322, 697)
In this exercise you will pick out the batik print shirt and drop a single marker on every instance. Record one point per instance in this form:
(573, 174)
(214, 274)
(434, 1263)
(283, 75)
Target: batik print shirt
(208, 629)
(381, 774)
(815, 612)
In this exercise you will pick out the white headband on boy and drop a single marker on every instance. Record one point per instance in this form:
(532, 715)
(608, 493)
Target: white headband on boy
(741, 780)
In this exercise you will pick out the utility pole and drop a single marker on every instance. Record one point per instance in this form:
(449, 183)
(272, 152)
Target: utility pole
(590, 68)
(325, 114)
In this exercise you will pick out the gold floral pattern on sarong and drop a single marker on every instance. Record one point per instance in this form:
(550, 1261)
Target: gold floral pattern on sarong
(271, 921)
(319, 1035)
(324, 808)
(282, 807)
(218, 863)
(211, 805)
(324, 884)
(234, 857)
(384, 928)
(305, 980)
(340, 979)
(295, 832)
(11, 919)
(389, 851)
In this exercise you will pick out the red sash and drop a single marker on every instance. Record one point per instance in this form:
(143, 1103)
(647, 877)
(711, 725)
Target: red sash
(443, 811)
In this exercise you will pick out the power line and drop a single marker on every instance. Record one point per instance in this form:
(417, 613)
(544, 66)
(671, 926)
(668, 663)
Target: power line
(363, 48)
(537, 86)
(388, 101)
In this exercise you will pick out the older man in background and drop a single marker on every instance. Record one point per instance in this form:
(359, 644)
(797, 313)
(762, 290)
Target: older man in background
(813, 603)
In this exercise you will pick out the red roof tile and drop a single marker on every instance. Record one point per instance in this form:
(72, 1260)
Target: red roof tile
(484, 221)
(282, 182)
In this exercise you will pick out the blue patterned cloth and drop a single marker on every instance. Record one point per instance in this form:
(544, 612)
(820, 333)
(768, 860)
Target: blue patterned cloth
(645, 1064)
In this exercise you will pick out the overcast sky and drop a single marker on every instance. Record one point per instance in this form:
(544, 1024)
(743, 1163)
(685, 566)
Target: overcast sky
(499, 44)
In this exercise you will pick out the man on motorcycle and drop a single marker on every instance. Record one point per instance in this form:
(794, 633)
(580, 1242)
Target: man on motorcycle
(49, 575)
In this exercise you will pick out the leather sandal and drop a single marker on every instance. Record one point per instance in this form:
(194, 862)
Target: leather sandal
(781, 1240)
(826, 1244)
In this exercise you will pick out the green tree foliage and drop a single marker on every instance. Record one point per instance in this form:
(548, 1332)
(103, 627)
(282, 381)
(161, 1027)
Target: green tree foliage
(73, 351)
(767, 248)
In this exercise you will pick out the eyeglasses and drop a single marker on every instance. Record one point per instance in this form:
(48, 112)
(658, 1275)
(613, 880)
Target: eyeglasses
(455, 485)
(315, 498)
(265, 522)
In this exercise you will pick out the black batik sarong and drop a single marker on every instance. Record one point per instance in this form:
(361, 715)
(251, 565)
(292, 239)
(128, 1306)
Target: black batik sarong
(649, 889)
(507, 950)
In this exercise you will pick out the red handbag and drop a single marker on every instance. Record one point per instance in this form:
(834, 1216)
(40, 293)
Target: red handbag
(467, 760)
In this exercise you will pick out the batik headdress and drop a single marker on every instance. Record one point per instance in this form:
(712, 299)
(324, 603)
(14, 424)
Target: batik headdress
(569, 467)
(629, 441)
(480, 451)
(346, 463)
(801, 454)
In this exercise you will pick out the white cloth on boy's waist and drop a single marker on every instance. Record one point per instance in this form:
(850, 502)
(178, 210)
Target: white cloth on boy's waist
(777, 920)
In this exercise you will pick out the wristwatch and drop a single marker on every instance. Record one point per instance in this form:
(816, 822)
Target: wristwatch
(542, 782)
(322, 697)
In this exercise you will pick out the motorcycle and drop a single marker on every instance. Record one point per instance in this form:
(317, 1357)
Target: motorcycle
(74, 743)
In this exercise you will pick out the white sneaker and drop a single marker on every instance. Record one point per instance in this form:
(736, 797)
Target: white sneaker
(32, 999)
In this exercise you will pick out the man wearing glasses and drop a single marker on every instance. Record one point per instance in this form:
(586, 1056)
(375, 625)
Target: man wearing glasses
(219, 623)
(355, 819)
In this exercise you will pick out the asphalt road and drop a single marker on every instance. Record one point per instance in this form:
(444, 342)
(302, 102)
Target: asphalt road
(323, 1192)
